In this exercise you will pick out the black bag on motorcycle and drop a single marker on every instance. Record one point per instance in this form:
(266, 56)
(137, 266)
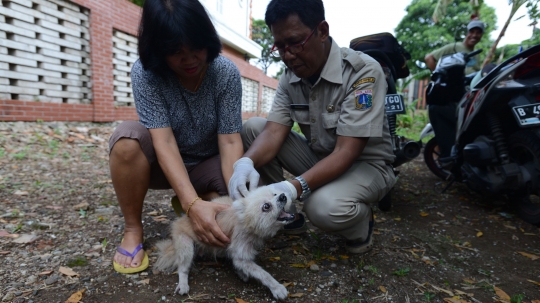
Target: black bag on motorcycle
(388, 44)
(441, 93)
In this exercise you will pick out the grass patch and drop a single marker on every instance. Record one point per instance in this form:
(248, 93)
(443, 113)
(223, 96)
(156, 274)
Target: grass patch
(402, 272)
(78, 261)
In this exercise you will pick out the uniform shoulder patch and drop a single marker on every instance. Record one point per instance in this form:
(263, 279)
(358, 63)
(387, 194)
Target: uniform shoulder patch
(364, 99)
(362, 81)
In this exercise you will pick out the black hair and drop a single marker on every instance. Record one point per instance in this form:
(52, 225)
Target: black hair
(310, 12)
(168, 25)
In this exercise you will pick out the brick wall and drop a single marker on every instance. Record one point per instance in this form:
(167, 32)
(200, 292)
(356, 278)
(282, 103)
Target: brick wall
(109, 100)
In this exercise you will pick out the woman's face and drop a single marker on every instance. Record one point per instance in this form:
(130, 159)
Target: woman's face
(187, 63)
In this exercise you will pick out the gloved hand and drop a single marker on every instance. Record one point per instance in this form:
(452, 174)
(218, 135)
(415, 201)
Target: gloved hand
(285, 187)
(243, 172)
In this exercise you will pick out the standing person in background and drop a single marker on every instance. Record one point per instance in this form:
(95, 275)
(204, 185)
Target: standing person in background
(336, 95)
(188, 99)
(443, 117)
(475, 31)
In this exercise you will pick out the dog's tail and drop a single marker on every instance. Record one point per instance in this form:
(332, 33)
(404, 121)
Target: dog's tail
(166, 256)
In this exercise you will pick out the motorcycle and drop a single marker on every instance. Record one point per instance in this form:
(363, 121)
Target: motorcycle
(497, 145)
(386, 50)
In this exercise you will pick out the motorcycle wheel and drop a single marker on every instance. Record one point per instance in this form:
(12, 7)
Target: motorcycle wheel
(431, 157)
(524, 148)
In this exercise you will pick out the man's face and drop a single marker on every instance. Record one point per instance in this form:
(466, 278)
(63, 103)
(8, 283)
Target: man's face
(291, 31)
(473, 37)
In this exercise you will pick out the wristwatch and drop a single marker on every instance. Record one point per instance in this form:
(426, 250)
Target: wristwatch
(306, 192)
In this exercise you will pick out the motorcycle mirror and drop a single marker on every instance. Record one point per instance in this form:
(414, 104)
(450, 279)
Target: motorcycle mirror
(420, 64)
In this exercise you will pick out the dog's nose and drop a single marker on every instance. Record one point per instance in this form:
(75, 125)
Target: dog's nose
(282, 198)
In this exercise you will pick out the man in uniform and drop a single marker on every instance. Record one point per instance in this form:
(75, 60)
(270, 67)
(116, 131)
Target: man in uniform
(336, 95)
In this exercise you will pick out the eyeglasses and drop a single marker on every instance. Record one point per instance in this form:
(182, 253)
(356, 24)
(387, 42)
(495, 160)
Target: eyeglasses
(292, 49)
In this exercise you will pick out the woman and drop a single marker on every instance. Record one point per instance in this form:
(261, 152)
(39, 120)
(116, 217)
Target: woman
(188, 99)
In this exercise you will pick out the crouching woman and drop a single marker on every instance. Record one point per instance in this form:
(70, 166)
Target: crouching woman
(188, 99)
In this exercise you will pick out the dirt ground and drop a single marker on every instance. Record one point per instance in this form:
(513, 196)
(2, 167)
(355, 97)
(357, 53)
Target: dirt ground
(60, 224)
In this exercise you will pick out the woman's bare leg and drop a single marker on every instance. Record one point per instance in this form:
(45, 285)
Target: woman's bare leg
(130, 173)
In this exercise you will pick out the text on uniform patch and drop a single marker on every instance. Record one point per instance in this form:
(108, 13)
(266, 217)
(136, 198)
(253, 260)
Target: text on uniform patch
(363, 80)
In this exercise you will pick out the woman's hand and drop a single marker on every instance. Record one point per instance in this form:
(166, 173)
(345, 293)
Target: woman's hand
(203, 219)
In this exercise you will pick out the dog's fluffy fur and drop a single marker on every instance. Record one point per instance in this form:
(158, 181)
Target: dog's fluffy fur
(249, 222)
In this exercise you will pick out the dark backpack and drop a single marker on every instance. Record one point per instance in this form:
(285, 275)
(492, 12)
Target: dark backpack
(385, 47)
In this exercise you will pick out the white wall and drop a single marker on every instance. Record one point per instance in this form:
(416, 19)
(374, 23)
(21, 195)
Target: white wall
(232, 19)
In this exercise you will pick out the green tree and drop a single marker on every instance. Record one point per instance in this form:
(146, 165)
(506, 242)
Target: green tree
(532, 7)
(261, 34)
(420, 35)
(509, 50)
(137, 2)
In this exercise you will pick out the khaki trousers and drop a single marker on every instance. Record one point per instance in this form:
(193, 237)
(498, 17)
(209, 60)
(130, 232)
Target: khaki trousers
(341, 206)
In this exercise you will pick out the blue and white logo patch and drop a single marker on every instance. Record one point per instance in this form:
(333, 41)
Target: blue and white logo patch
(364, 99)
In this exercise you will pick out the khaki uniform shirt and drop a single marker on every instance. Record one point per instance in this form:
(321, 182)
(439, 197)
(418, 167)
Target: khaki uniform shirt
(347, 100)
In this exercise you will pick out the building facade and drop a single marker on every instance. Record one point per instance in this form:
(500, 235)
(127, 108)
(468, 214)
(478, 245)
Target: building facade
(71, 60)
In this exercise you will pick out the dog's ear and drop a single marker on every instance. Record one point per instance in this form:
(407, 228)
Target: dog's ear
(239, 207)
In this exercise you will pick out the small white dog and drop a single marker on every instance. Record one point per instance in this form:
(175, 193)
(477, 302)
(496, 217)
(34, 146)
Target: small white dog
(248, 222)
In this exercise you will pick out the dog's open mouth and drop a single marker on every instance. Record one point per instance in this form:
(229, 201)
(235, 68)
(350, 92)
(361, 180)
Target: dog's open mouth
(285, 217)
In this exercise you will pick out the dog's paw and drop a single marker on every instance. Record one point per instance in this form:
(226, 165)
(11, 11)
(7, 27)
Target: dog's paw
(242, 275)
(279, 291)
(182, 288)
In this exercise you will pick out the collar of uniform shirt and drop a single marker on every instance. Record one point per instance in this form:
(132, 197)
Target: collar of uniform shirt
(332, 69)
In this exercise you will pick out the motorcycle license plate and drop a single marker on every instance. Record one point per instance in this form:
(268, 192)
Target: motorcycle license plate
(394, 104)
(527, 114)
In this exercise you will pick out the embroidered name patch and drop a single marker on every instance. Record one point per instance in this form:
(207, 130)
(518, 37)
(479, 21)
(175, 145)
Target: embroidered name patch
(362, 81)
(364, 99)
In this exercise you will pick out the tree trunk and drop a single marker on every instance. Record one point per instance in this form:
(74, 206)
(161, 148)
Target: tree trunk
(494, 46)
(516, 4)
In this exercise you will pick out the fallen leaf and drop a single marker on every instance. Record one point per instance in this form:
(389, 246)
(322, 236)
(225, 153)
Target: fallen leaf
(443, 290)
(535, 301)
(4, 233)
(530, 256)
(332, 258)
(238, 300)
(76, 297)
(440, 214)
(423, 214)
(55, 207)
(515, 238)
(287, 284)
(479, 234)
(26, 238)
(274, 259)
(511, 227)
(67, 271)
(5, 252)
(397, 219)
(153, 213)
(20, 193)
(343, 257)
(296, 295)
(145, 281)
(455, 300)
(45, 273)
(310, 263)
(534, 282)
(470, 281)
(501, 294)
(160, 218)
(529, 234)
(298, 265)
(383, 289)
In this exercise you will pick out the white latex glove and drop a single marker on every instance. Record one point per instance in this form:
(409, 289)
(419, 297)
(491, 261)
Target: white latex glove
(243, 172)
(285, 187)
